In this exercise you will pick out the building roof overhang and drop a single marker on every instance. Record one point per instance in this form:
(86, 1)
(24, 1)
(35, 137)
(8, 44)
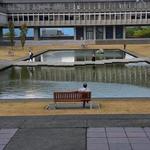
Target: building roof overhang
(47, 1)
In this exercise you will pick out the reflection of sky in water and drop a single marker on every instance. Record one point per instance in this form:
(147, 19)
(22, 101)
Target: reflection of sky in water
(80, 55)
(116, 80)
(45, 89)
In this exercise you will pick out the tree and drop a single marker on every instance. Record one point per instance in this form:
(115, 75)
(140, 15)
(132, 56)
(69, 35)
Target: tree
(142, 33)
(11, 34)
(23, 34)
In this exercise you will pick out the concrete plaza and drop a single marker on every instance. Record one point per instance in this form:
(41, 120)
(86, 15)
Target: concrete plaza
(77, 132)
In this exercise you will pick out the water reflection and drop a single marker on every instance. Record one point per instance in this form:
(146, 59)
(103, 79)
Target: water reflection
(73, 56)
(136, 75)
(104, 80)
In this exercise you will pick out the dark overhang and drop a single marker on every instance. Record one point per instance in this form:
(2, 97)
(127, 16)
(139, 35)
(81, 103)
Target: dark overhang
(48, 1)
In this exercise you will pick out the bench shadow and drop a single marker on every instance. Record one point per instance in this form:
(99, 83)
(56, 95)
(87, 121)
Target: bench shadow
(72, 106)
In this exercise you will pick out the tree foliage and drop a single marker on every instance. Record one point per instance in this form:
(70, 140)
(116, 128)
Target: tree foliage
(23, 34)
(138, 32)
(11, 34)
(143, 33)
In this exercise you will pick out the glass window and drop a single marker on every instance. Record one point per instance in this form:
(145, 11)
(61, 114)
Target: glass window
(99, 32)
(30, 18)
(25, 18)
(15, 18)
(109, 32)
(119, 32)
(20, 18)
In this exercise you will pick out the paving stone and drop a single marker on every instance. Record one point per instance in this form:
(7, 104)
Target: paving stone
(96, 130)
(134, 129)
(140, 146)
(97, 140)
(8, 131)
(147, 129)
(139, 140)
(4, 141)
(118, 140)
(136, 134)
(97, 146)
(96, 134)
(2, 147)
(116, 134)
(148, 134)
(48, 139)
(119, 146)
(6, 136)
(115, 129)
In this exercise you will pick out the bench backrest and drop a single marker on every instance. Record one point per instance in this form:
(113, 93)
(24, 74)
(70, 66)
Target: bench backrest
(72, 96)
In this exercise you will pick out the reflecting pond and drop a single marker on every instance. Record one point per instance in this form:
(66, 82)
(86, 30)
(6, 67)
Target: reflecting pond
(116, 80)
(80, 55)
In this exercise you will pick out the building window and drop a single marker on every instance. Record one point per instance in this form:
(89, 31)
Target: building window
(109, 32)
(89, 33)
(20, 18)
(41, 17)
(99, 32)
(15, 18)
(119, 32)
(25, 18)
(30, 18)
(45, 17)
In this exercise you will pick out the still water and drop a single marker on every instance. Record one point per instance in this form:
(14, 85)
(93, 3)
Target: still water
(125, 80)
(80, 55)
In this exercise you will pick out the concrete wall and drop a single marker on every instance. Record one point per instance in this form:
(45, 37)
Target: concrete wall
(3, 19)
(123, 41)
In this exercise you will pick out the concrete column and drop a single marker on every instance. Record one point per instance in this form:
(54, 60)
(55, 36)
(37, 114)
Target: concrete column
(114, 32)
(36, 33)
(146, 16)
(104, 32)
(75, 34)
(84, 33)
(18, 18)
(94, 28)
(23, 18)
(42, 58)
(28, 17)
(1, 33)
(124, 32)
(136, 17)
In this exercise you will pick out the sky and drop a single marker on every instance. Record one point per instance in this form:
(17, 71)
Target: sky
(66, 31)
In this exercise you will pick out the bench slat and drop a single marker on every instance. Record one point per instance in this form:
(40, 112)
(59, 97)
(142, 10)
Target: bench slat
(72, 96)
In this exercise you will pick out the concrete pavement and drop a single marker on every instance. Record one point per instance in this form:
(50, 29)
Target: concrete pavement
(72, 132)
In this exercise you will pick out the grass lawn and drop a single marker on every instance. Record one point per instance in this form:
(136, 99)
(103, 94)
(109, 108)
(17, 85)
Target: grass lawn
(142, 50)
(33, 108)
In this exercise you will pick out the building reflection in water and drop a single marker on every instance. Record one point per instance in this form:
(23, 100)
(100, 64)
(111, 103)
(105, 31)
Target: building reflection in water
(73, 56)
(117, 80)
(124, 74)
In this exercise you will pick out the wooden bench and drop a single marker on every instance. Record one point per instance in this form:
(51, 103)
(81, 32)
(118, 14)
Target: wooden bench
(75, 96)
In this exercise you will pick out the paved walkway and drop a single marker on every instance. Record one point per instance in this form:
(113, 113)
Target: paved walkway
(110, 138)
(5, 136)
(127, 138)
(99, 62)
(75, 132)
(5, 64)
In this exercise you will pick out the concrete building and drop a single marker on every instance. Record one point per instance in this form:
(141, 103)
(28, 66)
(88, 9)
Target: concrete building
(91, 19)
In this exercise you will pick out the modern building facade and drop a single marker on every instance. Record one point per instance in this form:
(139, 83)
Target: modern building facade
(91, 19)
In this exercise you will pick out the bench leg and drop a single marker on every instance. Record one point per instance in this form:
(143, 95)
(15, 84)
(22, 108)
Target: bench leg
(90, 104)
(55, 105)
